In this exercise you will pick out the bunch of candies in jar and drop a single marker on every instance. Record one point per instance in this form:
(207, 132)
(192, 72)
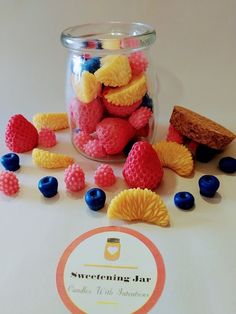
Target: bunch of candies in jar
(110, 106)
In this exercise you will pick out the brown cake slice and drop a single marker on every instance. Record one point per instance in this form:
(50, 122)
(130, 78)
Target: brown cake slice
(200, 129)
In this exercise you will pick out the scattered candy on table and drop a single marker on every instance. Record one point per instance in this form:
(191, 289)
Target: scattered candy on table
(184, 200)
(104, 176)
(10, 161)
(46, 159)
(208, 185)
(174, 136)
(74, 178)
(227, 164)
(20, 136)
(9, 183)
(175, 156)
(139, 204)
(142, 168)
(95, 198)
(48, 186)
(47, 137)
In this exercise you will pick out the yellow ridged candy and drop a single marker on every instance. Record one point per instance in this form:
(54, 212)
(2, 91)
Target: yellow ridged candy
(86, 87)
(115, 71)
(128, 94)
(175, 156)
(45, 159)
(52, 120)
(139, 204)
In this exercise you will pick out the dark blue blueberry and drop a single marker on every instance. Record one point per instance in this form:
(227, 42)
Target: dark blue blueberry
(147, 102)
(95, 198)
(10, 161)
(48, 186)
(227, 164)
(128, 147)
(205, 153)
(184, 200)
(208, 185)
(91, 65)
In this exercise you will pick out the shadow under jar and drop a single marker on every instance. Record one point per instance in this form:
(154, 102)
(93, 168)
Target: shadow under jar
(111, 89)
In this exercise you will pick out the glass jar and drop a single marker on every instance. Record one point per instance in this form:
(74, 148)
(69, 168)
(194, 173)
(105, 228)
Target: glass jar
(111, 90)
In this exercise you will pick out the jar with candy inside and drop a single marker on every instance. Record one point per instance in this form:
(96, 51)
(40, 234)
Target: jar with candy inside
(111, 91)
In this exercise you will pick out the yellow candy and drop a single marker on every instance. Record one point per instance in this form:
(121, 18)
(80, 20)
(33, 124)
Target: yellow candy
(139, 204)
(128, 94)
(50, 160)
(115, 71)
(86, 87)
(175, 156)
(54, 121)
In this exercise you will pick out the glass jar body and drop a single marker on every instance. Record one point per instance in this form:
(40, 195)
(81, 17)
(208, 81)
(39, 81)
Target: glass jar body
(111, 95)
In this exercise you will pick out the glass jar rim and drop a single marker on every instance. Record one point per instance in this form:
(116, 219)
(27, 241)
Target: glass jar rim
(110, 36)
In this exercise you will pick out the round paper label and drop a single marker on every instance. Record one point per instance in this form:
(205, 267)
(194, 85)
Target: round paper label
(110, 270)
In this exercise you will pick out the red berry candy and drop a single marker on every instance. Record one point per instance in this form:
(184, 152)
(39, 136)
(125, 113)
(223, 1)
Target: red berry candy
(94, 148)
(140, 117)
(81, 138)
(86, 116)
(138, 62)
(9, 183)
(104, 176)
(21, 135)
(47, 137)
(174, 136)
(192, 146)
(114, 134)
(142, 167)
(74, 178)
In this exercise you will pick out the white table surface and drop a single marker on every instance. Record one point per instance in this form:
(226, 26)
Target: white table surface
(195, 63)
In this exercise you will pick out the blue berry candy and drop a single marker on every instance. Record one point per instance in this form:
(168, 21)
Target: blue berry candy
(48, 186)
(147, 102)
(10, 161)
(91, 65)
(208, 185)
(205, 154)
(184, 200)
(95, 198)
(227, 164)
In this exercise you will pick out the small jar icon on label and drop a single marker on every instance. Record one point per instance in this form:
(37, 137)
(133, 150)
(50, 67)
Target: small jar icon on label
(112, 249)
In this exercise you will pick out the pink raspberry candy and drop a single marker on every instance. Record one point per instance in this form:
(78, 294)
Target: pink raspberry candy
(174, 136)
(104, 176)
(94, 148)
(47, 138)
(138, 62)
(9, 183)
(86, 116)
(140, 117)
(74, 178)
(81, 138)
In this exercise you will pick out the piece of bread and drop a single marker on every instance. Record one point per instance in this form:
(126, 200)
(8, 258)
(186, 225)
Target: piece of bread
(200, 129)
